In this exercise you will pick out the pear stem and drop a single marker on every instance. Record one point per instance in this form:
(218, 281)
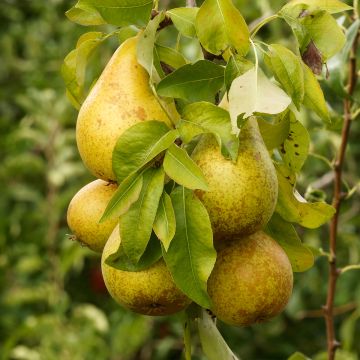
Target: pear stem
(334, 272)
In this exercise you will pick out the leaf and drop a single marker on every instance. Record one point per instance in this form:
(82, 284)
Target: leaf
(236, 67)
(203, 117)
(136, 224)
(219, 26)
(351, 33)
(84, 17)
(170, 56)
(120, 261)
(126, 194)
(74, 66)
(145, 47)
(121, 12)
(295, 148)
(191, 255)
(212, 343)
(165, 223)
(314, 97)
(140, 144)
(274, 134)
(184, 20)
(253, 92)
(287, 69)
(300, 256)
(187, 337)
(292, 207)
(126, 32)
(332, 6)
(193, 82)
(180, 167)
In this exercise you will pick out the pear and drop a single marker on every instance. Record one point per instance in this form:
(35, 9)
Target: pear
(85, 210)
(252, 280)
(242, 196)
(149, 292)
(120, 99)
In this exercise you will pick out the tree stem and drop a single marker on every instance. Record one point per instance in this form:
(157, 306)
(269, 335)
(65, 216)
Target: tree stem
(190, 3)
(332, 343)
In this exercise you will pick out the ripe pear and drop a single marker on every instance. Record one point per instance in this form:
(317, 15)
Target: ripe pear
(120, 99)
(252, 280)
(242, 196)
(149, 292)
(85, 210)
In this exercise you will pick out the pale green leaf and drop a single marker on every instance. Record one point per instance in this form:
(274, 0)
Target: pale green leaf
(170, 56)
(203, 117)
(236, 67)
(84, 17)
(184, 20)
(331, 6)
(274, 134)
(191, 256)
(181, 168)
(136, 224)
(351, 33)
(193, 82)
(300, 256)
(287, 69)
(125, 195)
(292, 207)
(220, 25)
(140, 144)
(165, 223)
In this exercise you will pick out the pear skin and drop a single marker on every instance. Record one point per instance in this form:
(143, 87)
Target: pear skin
(242, 196)
(85, 211)
(120, 99)
(149, 292)
(252, 280)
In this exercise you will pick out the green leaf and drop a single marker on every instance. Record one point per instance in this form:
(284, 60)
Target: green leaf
(170, 56)
(292, 207)
(274, 134)
(213, 344)
(253, 92)
(236, 66)
(191, 256)
(165, 223)
(180, 167)
(187, 337)
(136, 224)
(84, 17)
(193, 82)
(300, 256)
(120, 261)
(351, 33)
(126, 194)
(314, 97)
(332, 6)
(145, 47)
(121, 12)
(203, 117)
(184, 20)
(126, 32)
(74, 66)
(287, 69)
(295, 148)
(140, 144)
(220, 25)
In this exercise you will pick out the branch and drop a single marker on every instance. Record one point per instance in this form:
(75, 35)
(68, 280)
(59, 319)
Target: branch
(334, 272)
(190, 3)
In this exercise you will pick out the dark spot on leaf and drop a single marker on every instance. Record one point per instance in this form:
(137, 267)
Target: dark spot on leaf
(312, 58)
(296, 145)
(297, 154)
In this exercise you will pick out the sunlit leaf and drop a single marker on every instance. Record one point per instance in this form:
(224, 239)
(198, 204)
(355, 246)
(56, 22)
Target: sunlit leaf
(184, 20)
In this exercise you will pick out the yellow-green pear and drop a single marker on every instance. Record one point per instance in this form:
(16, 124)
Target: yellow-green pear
(149, 292)
(252, 280)
(85, 211)
(242, 196)
(120, 98)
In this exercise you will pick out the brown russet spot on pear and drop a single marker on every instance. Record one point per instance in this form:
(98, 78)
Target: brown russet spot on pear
(120, 99)
(242, 196)
(85, 211)
(149, 292)
(252, 280)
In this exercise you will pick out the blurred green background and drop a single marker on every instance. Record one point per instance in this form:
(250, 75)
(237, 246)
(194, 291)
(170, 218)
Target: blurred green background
(53, 304)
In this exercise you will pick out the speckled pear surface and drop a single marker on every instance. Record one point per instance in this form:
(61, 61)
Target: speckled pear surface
(120, 98)
(85, 210)
(148, 292)
(252, 280)
(242, 196)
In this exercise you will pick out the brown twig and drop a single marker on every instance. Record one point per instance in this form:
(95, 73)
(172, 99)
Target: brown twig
(332, 343)
(191, 3)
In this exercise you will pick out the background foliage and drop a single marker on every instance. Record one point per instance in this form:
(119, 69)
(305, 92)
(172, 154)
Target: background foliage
(53, 303)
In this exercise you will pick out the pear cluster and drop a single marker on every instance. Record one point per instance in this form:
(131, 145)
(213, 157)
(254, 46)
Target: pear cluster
(252, 278)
